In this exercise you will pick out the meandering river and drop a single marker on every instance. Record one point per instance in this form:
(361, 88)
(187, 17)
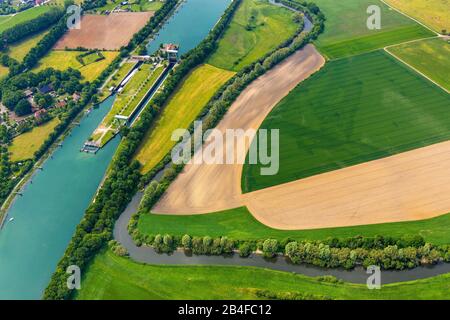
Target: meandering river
(54, 201)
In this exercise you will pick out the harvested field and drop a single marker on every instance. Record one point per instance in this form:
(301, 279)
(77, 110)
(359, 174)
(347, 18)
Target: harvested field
(104, 32)
(409, 186)
(208, 188)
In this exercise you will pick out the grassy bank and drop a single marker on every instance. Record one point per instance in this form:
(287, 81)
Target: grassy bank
(112, 277)
(240, 224)
(352, 111)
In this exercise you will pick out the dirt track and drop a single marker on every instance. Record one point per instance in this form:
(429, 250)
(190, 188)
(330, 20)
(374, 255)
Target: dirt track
(207, 188)
(104, 32)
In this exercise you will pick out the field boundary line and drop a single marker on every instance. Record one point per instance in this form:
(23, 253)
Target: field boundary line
(414, 19)
(416, 70)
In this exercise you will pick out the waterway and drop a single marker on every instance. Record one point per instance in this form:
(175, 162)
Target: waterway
(190, 24)
(54, 201)
(52, 205)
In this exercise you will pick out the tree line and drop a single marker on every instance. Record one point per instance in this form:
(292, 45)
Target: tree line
(33, 26)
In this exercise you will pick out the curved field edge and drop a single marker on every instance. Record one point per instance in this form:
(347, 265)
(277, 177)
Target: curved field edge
(379, 108)
(183, 107)
(417, 54)
(240, 224)
(113, 277)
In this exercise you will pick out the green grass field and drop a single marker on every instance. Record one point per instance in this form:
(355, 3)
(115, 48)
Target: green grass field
(432, 13)
(3, 71)
(24, 146)
(182, 109)
(431, 57)
(20, 49)
(352, 111)
(62, 60)
(346, 31)
(256, 28)
(10, 21)
(240, 224)
(112, 277)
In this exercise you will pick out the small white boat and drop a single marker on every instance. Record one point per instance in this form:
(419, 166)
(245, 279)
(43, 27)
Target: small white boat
(11, 219)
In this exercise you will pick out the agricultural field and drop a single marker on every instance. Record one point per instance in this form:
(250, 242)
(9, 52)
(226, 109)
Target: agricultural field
(240, 224)
(25, 145)
(10, 21)
(104, 32)
(20, 49)
(247, 38)
(433, 13)
(134, 6)
(112, 277)
(431, 57)
(181, 110)
(352, 111)
(346, 31)
(62, 60)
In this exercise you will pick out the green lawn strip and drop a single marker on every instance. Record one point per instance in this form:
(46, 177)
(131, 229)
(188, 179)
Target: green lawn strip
(241, 225)
(352, 111)
(257, 28)
(431, 57)
(7, 22)
(346, 32)
(113, 277)
(183, 108)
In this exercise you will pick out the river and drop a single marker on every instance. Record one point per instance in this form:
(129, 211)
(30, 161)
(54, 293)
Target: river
(51, 207)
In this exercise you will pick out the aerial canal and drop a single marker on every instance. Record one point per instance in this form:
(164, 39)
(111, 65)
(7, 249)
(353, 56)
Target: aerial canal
(53, 202)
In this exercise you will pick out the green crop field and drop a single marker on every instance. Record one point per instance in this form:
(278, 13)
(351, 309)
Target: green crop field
(433, 13)
(346, 31)
(112, 277)
(3, 71)
(256, 28)
(10, 21)
(62, 60)
(431, 57)
(240, 224)
(352, 111)
(183, 108)
(20, 49)
(25, 145)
